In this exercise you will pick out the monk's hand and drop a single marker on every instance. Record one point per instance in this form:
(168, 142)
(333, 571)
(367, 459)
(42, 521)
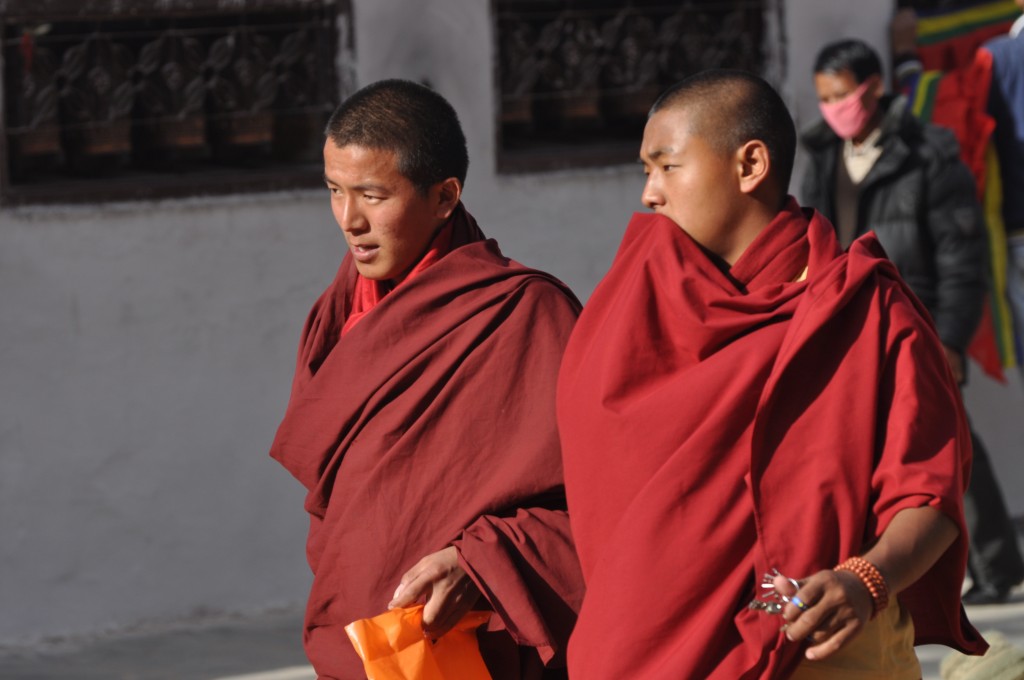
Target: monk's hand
(449, 592)
(828, 610)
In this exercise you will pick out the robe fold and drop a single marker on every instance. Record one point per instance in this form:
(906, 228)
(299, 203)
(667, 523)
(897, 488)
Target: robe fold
(719, 423)
(430, 423)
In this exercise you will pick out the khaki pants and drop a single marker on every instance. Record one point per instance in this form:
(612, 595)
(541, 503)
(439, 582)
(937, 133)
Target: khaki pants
(884, 650)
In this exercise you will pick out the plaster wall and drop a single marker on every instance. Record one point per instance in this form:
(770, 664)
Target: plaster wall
(146, 354)
(146, 351)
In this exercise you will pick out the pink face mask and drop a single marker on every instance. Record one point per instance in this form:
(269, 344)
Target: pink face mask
(848, 116)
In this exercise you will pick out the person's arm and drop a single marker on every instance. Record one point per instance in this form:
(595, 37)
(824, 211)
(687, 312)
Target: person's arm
(961, 255)
(839, 603)
(915, 520)
(448, 590)
(960, 246)
(523, 565)
(526, 567)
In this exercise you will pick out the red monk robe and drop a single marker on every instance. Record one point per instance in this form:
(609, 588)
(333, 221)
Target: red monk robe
(430, 422)
(717, 425)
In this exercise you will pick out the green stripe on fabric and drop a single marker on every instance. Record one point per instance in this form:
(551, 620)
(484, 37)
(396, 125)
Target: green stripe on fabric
(947, 25)
(1000, 306)
(924, 97)
(952, 34)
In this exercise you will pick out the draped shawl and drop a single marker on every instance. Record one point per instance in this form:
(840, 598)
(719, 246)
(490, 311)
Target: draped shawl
(431, 423)
(717, 423)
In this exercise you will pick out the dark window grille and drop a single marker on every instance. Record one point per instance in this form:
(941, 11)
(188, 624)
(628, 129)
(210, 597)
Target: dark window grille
(159, 98)
(577, 77)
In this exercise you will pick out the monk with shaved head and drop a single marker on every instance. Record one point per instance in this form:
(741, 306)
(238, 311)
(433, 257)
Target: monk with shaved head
(421, 421)
(765, 449)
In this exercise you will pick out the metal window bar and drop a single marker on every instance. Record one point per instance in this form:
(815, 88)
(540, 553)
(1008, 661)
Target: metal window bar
(576, 78)
(168, 103)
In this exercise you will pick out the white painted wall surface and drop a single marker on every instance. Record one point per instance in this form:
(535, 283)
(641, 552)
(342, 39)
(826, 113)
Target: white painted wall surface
(146, 351)
(145, 354)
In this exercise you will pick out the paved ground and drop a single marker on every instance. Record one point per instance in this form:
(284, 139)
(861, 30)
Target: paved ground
(1007, 619)
(265, 648)
(269, 648)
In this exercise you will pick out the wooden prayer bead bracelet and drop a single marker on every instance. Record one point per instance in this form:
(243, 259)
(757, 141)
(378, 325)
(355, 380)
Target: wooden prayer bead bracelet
(871, 578)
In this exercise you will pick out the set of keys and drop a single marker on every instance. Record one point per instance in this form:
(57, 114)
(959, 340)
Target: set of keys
(771, 601)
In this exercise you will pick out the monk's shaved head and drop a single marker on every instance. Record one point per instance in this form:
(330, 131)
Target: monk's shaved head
(728, 108)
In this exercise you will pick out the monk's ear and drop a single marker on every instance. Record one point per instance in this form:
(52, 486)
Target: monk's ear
(446, 196)
(754, 165)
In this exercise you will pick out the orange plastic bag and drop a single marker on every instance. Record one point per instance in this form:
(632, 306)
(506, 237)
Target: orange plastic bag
(392, 647)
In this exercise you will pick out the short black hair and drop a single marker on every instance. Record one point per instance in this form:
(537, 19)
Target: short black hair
(852, 55)
(411, 120)
(732, 107)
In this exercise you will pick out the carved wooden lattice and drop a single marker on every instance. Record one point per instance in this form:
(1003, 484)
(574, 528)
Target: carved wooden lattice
(577, 77)
(166, 98)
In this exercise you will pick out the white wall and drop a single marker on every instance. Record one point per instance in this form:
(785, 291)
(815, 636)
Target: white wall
(146, 351)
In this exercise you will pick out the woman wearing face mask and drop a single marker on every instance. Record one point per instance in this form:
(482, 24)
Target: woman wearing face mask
(874, 167)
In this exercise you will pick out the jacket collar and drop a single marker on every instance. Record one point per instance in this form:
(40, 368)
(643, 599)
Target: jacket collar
(899, 128)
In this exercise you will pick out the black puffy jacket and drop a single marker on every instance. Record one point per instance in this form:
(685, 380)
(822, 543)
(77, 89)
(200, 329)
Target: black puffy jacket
(920, 201)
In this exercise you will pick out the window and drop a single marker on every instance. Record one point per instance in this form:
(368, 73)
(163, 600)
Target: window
(157, 98)
(577, 77)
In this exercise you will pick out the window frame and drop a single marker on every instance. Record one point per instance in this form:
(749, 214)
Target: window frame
(609, 152)
(140, 184)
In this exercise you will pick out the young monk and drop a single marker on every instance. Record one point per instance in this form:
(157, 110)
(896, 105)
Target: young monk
(421, 419)
(738, 397)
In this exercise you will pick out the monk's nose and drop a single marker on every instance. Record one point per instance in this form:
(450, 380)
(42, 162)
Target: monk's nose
(651, 196)
(349, 217)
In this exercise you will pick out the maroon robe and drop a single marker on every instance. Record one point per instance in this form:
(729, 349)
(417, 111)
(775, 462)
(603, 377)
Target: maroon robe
(715, 425)
(431, 423)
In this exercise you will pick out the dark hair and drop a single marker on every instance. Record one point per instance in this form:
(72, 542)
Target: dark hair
(733, 107)
(413, 121)
(855, 56)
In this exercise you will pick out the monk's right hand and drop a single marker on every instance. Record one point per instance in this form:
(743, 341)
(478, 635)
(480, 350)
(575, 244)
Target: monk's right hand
(834, 607)
(449, 592)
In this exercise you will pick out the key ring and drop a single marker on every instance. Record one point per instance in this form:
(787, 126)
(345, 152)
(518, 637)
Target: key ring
(772, 601)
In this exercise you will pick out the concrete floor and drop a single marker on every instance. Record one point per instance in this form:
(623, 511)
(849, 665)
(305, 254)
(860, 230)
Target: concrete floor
(269, 648)
(1007, 619)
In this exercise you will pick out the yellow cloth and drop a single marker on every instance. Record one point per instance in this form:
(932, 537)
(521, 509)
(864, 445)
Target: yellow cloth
(884, 650)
